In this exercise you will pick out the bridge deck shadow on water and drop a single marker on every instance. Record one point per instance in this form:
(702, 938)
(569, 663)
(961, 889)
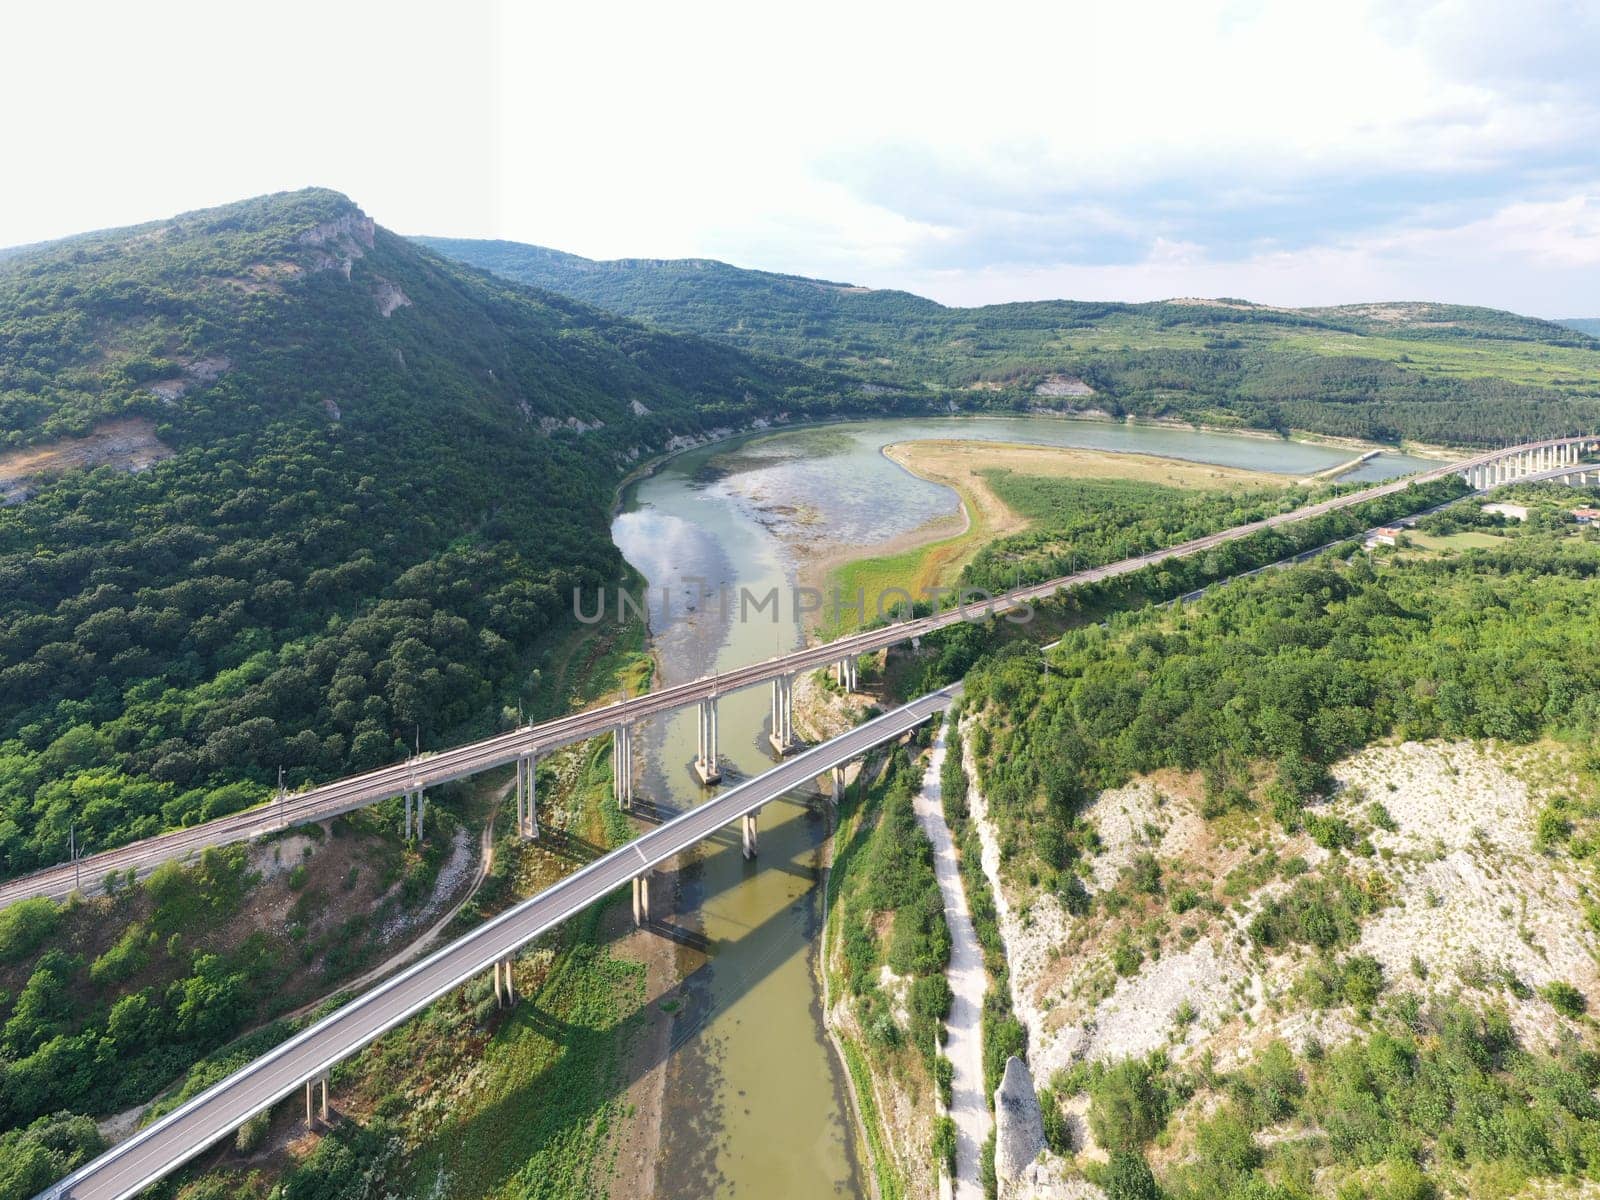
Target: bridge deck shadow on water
(779, 937)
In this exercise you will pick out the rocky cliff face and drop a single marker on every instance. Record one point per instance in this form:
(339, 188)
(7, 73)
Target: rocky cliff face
(1019, 1127)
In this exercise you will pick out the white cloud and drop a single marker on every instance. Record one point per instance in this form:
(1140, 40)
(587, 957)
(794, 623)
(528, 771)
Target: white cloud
(1536, 258)
(1185, 146)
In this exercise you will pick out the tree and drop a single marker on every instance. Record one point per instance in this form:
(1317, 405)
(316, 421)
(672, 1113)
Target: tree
(1128, 1177)
(1127, 1104)
(207, 1005)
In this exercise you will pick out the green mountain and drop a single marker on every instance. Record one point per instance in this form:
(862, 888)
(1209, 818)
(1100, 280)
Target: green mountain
(1585, 325)
(368, 479)
(1429, 372)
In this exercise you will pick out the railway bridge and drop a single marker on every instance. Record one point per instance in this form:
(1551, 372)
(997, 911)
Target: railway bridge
(1566, 458)
(305, 1060)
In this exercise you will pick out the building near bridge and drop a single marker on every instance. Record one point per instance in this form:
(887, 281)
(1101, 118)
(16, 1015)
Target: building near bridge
(1586, 515)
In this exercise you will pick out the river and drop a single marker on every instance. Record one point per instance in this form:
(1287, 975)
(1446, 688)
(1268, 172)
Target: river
(755, 1103)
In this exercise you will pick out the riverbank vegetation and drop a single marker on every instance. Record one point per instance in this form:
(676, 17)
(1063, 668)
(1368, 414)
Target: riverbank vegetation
(953, 651)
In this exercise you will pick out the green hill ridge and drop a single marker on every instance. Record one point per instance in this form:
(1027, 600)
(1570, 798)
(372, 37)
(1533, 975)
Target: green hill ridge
(384, 473)
(1420, 371)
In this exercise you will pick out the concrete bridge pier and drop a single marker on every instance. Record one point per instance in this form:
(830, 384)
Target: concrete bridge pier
(641, 900)
(527, 807)
(416, 805)
(782, 735)
(505, 986)
(622, 765)
(311, 1088)
(707, 764)
(838, 784)
(844, 674)
(750, 835)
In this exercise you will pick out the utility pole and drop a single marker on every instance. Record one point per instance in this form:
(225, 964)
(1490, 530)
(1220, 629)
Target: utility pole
(72, 853)
(283, 808)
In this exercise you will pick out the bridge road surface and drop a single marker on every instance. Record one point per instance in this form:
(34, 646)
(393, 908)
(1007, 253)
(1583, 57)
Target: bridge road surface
(151, 1153)
(330, 800)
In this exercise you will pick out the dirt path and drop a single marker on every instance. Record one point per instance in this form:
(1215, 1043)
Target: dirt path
(967, 982)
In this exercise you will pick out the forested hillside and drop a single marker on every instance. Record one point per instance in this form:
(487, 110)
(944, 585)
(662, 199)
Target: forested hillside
(386, 473)
(1430, 372)
(1262, 946)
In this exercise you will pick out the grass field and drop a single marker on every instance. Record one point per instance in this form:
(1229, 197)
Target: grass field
(967, 467)
(1467, 540)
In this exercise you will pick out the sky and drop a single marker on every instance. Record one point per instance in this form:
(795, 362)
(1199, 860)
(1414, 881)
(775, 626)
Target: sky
(1298, 153)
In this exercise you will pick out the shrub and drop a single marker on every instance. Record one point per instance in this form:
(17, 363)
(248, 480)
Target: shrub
(1128, 1104)
(1224, 1145)
(1003, 1037)
(1565, 998)
(252, 1133)
(123, 960)
(1128, 1177)
(1362, 981)
(1145, 874)
(24, 926)
(1323, 912)
(1267, 1090)
(944, 1145)
(1057, 1132)
(1331, 833)
(1552, 827)
(931, 997)
(1126, 957)
(882, 1031)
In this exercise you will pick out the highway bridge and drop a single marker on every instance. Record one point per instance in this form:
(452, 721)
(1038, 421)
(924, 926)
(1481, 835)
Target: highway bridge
(1550, 459)
(306, 1059)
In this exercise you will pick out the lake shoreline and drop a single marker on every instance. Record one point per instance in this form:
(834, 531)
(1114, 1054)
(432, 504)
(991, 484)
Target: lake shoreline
(984, 516)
